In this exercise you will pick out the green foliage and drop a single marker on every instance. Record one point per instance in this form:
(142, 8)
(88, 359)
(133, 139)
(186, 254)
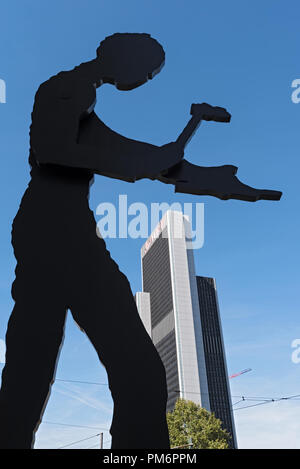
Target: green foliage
(191, 423)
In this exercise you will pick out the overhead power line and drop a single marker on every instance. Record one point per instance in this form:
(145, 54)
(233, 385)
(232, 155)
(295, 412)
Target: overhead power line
(241, 400)
(270, 401)
(258, 398)
(78, 441)
(94, 446)
(75, 426)
(81, 382)
(90, 447)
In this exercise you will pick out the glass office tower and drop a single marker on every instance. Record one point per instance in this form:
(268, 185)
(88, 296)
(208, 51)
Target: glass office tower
(181, 314)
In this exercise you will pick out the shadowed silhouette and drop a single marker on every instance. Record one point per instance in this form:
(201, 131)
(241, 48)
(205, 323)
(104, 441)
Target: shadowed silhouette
(62, 264)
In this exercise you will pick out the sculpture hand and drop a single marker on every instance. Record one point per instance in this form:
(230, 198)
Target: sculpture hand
(173, 151)
(219, 181)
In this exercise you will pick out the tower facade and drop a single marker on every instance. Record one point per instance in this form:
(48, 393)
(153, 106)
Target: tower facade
(181, 315)
(215, 357)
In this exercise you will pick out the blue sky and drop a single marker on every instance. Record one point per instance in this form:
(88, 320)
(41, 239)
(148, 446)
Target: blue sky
(240, 55)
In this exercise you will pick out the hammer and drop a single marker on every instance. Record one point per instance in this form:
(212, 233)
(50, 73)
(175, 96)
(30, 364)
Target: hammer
(201, 112)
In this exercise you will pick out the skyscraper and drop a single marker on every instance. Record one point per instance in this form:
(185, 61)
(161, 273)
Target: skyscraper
(180, 312)
(214, 351)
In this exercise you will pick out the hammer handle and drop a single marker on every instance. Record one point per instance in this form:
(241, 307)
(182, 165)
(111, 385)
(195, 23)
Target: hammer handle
(189, 130)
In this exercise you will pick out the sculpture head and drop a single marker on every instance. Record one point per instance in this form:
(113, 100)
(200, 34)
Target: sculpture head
(130, 59)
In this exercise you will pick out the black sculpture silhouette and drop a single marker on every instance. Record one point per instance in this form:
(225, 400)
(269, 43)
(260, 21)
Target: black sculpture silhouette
(62, 264)
(217, 181)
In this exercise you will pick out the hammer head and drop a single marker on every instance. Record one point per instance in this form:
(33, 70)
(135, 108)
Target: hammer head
(210, 113)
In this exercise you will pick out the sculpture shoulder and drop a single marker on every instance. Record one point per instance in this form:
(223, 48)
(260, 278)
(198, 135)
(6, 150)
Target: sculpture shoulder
(66, 90)
(60, 104)
(58, 86)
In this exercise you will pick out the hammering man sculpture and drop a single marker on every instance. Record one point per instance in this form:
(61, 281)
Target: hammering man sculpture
(62, 264)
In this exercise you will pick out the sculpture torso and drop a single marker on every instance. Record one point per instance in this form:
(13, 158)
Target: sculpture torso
(57, 195)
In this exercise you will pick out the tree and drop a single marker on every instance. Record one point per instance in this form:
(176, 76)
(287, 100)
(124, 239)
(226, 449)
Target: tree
(191, 424)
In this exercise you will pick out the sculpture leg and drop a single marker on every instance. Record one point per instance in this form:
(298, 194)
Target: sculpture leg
(106, 311)
(33, 339)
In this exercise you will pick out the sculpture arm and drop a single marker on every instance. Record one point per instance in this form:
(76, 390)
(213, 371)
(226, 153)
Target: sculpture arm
(216, 181)
(105, 152)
